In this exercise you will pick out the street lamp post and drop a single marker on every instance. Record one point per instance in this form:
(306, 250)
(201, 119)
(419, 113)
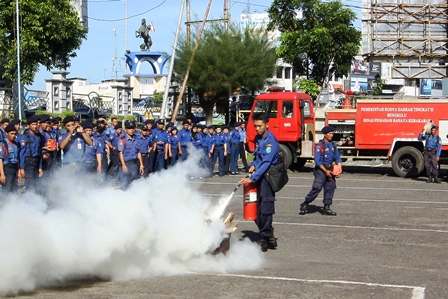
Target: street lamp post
(19, 85)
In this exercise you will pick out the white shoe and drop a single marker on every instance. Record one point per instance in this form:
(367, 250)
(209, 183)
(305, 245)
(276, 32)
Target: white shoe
(192, 178)
(201, 178)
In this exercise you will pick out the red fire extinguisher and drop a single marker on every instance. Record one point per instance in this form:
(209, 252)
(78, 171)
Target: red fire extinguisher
(250, 201)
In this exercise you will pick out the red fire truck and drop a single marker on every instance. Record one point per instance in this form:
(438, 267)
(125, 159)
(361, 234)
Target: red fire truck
(375, 129)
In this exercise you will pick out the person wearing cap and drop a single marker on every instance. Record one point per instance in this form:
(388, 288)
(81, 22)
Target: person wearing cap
(93, 154)
(206, 145)
(111, 129)
(211, 133)
(185, 138)
(242, 152)
(30, 162)
(160, 144)
(130, 157)
(9, 161)
(265, 157)
(219, 148)
(433, 149)
(234, 148)
(114, 164)
(325, 156)
(173, 146)
(99, 133)
(73, 144)
(168, 126)
(146, 150)
(3, 124)
(226, 134)
(48, 142)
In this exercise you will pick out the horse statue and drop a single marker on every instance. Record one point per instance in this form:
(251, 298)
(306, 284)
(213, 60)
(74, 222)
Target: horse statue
(143, 32)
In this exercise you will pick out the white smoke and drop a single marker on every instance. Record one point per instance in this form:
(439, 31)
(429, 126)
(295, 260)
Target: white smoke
(155, 228)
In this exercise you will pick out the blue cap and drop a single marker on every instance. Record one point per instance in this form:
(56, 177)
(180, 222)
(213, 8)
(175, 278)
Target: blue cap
(173, 128)
(237, 124)
(225, 126)
(159, 121)
(211, 127)
(328, 129)
(15, 121)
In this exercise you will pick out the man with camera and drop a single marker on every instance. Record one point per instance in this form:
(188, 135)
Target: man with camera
(73, 143)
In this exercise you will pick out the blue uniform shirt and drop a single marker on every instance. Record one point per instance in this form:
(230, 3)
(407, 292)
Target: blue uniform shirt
(24, 147)
(185, 137)
(432, 142)
(266, 155)
(74, 151)
(129, 147)
(160, 135)
(173, 140)
(327, 156)
(242, 134)
(9, 152)
(144, 143)
(235, 136)
(90, 153)
(218, 139)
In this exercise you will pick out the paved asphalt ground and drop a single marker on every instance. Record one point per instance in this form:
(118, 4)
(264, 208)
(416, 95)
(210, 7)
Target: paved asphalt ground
(389, 240)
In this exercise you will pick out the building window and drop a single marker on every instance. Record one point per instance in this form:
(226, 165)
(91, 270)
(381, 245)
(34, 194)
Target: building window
(287, 73)
(56, 91)
(279, 73)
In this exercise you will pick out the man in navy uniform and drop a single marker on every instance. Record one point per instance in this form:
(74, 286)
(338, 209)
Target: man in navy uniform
(130, 157)
(219, 149)
(234, 148)
(73, 144)
(114, 164)
(225, 132)
(161, 142)
(146, 148)
(185, 138)
(325, 156)
(93, 154)
(3, 124)
(30, 162)
(266, 156)
(242, 132)
(9, 160)
(433, 149)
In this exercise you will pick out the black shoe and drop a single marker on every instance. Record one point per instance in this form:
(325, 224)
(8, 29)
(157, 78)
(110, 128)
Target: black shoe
(436, 180)
(327, 211)
(263, 242)
(303, 208)
(234, 173)
(429, 180)
(272, 240)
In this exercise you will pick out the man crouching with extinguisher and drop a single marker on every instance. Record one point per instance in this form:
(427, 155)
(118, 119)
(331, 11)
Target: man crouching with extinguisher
(266, 156)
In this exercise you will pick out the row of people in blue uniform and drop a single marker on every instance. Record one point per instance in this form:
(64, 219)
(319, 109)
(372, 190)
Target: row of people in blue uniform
(109, 150)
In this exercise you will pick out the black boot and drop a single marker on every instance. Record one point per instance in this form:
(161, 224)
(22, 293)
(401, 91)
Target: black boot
(303, 207)
(327, 211)
(436, 180)
(429, 180)
(272, 240)
(263, 242)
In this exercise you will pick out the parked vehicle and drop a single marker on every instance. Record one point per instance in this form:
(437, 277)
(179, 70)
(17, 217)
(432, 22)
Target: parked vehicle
(376, 129)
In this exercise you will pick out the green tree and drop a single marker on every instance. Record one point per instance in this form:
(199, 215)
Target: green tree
(50, 32)
(324, 32)
(225, 61)
(308, 86)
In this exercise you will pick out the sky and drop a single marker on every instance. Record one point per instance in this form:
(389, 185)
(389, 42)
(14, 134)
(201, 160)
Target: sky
(107, 32)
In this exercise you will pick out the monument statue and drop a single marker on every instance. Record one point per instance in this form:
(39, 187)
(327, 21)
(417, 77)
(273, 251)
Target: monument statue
(143, 32)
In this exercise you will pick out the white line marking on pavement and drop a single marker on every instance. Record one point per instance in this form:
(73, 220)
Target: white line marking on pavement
(343, 187)
(417, 292)
(360, 227)
(444, 202)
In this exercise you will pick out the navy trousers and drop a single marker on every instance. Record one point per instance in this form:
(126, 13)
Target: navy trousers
(11, 178)
(234, 153)
(431, 164)
(219, 153)
(321, 180)
(184, 155)
(175, 153)
(266, 207)
(160, 160)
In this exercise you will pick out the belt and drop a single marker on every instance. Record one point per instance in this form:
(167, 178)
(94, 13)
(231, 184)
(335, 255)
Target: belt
(430, 149)
(327, 166)
(184, 146)
(71, 163)
(235, 143)
(33, 159)
(161, 150)
(144, 155)
(133, 161)
(14, 165)
(205, 147)
(219, 145)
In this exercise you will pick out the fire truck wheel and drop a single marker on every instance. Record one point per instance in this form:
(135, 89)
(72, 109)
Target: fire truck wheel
(407, 162)
(299, 164)
(285, 152)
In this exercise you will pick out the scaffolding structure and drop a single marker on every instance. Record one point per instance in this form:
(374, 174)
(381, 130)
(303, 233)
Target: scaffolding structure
(412, 34)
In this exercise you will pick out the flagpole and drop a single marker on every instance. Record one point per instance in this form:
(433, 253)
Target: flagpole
(19, 84)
